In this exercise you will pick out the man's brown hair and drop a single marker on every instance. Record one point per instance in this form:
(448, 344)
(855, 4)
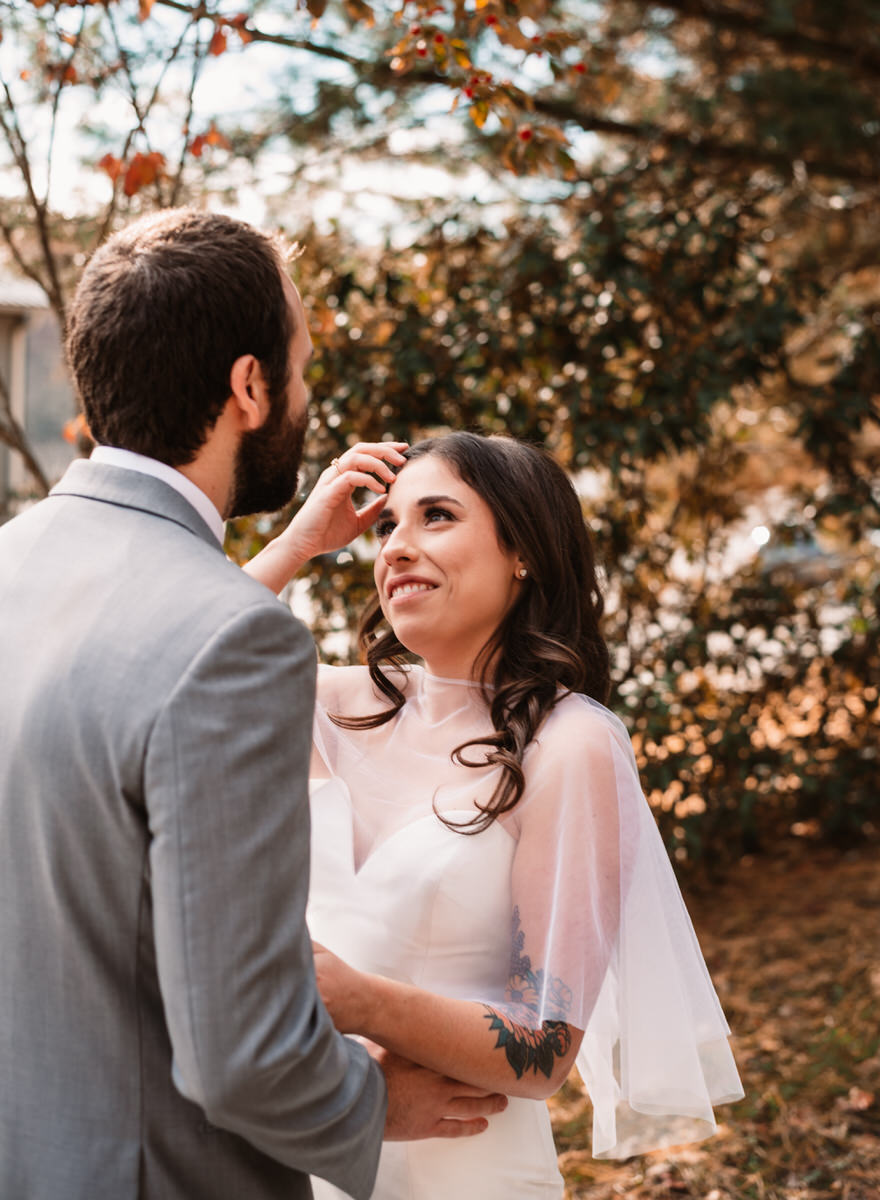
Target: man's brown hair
(163, 310)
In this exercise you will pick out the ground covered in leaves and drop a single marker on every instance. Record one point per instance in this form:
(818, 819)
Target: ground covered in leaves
(793, 945)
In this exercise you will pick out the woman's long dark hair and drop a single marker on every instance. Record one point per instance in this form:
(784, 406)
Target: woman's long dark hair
(549, 639)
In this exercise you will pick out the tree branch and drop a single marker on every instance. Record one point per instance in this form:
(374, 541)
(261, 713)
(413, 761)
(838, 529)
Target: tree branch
(23, 265)
(862, 56)
(18, 147)
(142, 112)
(566, 111)
(200, 50)
(13, 436)
(700, 145)
(56, 100)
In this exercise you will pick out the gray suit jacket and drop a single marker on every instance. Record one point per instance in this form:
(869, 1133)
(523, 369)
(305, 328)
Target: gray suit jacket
(161, 1036)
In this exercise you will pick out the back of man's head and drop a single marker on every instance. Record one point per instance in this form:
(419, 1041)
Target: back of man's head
(163, 310)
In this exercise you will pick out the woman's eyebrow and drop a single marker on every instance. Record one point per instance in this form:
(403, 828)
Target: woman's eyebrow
(428, 500)
(424, 502)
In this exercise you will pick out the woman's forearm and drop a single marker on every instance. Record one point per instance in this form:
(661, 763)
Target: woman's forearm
(467, 1040)
(278, 562)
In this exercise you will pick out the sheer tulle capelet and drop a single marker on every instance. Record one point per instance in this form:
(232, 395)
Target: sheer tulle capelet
(599, 935)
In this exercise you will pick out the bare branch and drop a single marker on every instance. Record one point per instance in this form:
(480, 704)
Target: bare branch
(13, 436)
(200, 50)
(11, 129)
(276, 39)
(56, 100)
(20, 261)
(142, 112)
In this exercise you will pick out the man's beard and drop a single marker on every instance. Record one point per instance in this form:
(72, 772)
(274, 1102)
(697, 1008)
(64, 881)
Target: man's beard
(267, 464)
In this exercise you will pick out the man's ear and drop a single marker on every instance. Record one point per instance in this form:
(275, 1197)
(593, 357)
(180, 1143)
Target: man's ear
(249, 395)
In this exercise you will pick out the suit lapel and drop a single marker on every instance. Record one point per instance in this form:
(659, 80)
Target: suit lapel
(132, 489)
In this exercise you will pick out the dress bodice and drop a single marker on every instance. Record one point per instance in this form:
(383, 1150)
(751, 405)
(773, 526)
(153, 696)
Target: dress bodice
(445, 895)
(431, 907)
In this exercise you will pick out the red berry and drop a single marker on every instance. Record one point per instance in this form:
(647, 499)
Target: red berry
(415, 30)
(491, 19)
(422, 52)
(580, 68)
(469, 92)
(525, 134)
(439, 39)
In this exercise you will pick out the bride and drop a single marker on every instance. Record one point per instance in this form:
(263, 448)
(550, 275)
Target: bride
(490, 896)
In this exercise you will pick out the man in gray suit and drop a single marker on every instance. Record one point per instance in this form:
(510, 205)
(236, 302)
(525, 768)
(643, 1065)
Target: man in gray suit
(161, 1036)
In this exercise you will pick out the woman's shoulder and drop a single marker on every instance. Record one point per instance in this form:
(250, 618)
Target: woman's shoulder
(337, 685)
(581, 755)
(579, 720)
(349, 690)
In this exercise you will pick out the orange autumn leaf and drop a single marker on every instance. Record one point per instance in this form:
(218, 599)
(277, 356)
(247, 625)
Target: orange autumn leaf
(239, 24)
(218, 43)
(479, 112)
(212, 138)
(76, 428)
(145, 7)
(215, 138)
(142, 171)
(111, 165)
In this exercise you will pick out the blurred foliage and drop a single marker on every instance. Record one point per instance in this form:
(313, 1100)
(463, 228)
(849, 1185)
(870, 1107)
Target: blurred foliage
(671, 278)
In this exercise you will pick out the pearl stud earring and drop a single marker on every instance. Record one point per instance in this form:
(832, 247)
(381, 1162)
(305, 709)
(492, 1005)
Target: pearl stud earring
(522, 573)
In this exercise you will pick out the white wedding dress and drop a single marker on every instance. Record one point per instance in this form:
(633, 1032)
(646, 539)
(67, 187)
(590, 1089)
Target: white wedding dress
(396, 892)
(426, 906)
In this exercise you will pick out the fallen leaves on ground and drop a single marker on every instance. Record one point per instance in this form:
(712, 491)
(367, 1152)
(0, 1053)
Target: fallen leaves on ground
(793, 945)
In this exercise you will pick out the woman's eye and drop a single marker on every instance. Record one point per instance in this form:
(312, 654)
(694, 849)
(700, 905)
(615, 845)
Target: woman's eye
(384, 529)
(438, 514)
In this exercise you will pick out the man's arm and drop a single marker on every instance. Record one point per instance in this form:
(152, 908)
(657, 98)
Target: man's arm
(225, 782)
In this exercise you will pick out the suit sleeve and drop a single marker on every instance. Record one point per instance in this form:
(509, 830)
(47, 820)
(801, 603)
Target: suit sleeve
(226, 790)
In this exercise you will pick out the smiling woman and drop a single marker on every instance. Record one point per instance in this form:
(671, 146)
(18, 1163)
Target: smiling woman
(490, 896)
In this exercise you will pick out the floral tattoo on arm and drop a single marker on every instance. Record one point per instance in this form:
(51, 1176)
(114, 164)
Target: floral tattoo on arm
(527, 1048)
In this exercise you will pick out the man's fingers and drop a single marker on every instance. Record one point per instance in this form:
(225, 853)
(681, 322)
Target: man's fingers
(459, 1129)
(465, 1108)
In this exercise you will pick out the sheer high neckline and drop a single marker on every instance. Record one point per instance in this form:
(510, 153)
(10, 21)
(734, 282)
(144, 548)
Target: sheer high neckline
(436, 697)
(429, 675)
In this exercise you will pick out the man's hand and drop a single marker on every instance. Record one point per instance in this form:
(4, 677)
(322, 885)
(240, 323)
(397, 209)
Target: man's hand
(347, 993)
(423, 1104)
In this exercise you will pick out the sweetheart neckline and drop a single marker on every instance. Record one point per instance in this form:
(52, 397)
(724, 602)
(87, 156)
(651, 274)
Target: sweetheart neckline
(356, 870)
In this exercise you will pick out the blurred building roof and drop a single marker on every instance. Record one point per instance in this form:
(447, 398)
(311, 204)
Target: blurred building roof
(20, 295)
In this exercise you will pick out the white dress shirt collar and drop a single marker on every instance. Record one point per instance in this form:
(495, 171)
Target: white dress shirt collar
(113, 456)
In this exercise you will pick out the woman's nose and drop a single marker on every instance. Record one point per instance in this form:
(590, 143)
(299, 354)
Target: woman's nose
(398, 546)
